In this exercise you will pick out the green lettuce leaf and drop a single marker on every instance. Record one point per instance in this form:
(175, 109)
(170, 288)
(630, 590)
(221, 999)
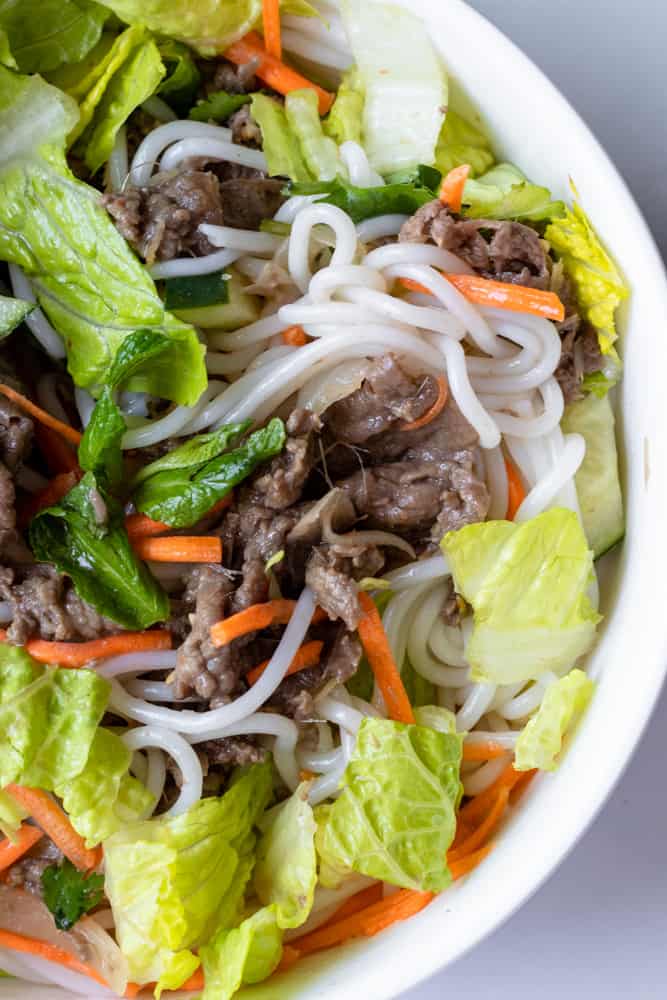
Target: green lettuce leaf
(462, 142)
(209, 26)
(182, 79)
(279, 143)
(440, 719)
(84, 536)
(505, 193)
(48, 720)
(172, 882)
(541, 741)
(286, 868)
(88, 282)
(343, 123)
(248, 954)
(319, 152)
(6, 57)
(87, 82)
(527, 585)
(404, 84)
(218, 107)
(11, 816)
(599, 286)
(396, 816)
(12, 313)
(44, 34)
(366, 203)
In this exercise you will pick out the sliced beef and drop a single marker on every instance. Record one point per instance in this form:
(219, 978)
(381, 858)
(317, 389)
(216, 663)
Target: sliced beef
(7, 505)
(235, 79)
(281, 484)
(245, 129)
(162, 221)
(15, 435)
(232, 751)
(452, 607)
(27, 873)
(46, 606)
(580, 348)
(247, 201)
(332, 572)
(200, 666)
(504, 251)
(295, 696)
(449, 432)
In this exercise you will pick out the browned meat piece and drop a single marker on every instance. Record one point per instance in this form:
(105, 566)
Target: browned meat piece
(7, 505)
(295, 696)
(27, 873)
(452, 607)
(232, 751)
(247, 201)
(281, 484)
(162, 221)
(332, 511)
(387, 397)
(514, 253)
(15, 435)
(580, 355)
(46, 606)
(449, 432)
(245, 130)
(235, 79)
(332, 572)
(200, 666)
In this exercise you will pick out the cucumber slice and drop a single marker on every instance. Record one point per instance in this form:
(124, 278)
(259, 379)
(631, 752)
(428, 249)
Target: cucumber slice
(239, 310)
(12, 312)
(200, 290)
(598, 484)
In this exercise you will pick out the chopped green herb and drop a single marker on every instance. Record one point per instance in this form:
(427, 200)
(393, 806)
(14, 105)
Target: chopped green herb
(69, 893)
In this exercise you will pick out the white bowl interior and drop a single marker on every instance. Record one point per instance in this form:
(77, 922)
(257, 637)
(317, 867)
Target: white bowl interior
(534, 126)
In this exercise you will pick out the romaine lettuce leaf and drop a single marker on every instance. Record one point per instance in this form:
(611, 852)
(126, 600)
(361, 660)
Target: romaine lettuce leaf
(180, 84)
(462, 142)
(248, 954)
(319, 152)
(209, 26)
(44, 34)
(599, 286)
(404, 84)
(540, 742)
(6, 57)
(436, 717)
(279, 143)
(12, 815)
(12, 313)
(527, 585)
(286, 869)
(88, 282)
(343, 123)
(505, 193)
(172, 882)
(396, 816)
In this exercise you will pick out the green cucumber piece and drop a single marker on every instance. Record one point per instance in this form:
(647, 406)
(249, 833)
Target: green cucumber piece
(197, 291)
(12, 312)
(597, 481)
(240, 309)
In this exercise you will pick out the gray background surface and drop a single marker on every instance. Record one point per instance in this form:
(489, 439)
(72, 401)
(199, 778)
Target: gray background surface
(598, 929)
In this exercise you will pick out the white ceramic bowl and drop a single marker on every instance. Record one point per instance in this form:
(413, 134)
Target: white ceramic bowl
(534, 126)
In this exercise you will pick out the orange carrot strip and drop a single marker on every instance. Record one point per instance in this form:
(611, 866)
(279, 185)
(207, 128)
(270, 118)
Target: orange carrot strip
(274, 72)
(256, 617)
(69, 433)
(143, 526)
(479, 836)
(451, 189)
(195, 982)
(180, 549)
(42, 949)
(381, 659)
(473, 812)
(403, 904)
(57, 826)
(77, 654)
(435, 410)
(58, 454)
(520, 786)
(306, 656)
(516, 494)
(11, 851)
(482, 751)
(59, 486)
(355, 904)
(462, 866)
(290, 957)
(132, 990)
(485, 292)
(295, 336)
(271, 24)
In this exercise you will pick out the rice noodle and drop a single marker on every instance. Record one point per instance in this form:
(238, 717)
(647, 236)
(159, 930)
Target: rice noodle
(36, 321)
(156, 141)
(189, 267)
(159, 109)
(359, 170)
(548, 487)
(484, 776)
(475, 705)
(85, 404)
(418, 572)
(118, 165)
(267, 723)
(380, 227)
(185, 757)
(241, 239)
(299, 244)
(446, 643)
(324, 54)
(137, 663)
(496, 480)
(212, 149)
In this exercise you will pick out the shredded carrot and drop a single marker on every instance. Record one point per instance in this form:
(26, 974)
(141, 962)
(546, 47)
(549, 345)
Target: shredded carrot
(59, 486)
(381, 659)
(42, 949)
(435, 410)
(482, 751)
(143, 526)
(195, 982)
(272, 71)
(306, 775)
(451, 189)
(516, 494)
(256, 617)
(271, 24)
(59, 454)
(295, 336)
(485, 292)
(481, 834)
(57, 826)
(132, 990)
(520, 786)
(12, 850)
(290, 957)
(474, 811)
(375, 918)
(355, 904)
(77, 654)
(306, 656)
(41, 415)
(462, 866)
(180, 549)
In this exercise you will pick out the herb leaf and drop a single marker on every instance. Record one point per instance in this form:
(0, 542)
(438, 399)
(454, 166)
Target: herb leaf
(69, 893)
(218, 106)
(133, 353)
(100, 448)
(366, 203)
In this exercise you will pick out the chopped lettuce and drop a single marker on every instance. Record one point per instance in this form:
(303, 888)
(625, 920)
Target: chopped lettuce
(404, 84)
(540, 742)
(11, 815)
(87, 280)
(505, 193)
(279, 143)
(209, 26)
(286, 869)
(396, 816)
(173, 882)
(438, 718)
(44, 34)
(12, 313)
(319, 152)
(182, 79)
(245, 955)
(527, 585)
(599, 286)
(6, 57)
(343, 123)
(462, 142)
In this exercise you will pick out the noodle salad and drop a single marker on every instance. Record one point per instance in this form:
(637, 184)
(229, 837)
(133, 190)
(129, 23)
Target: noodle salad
(306, 457)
